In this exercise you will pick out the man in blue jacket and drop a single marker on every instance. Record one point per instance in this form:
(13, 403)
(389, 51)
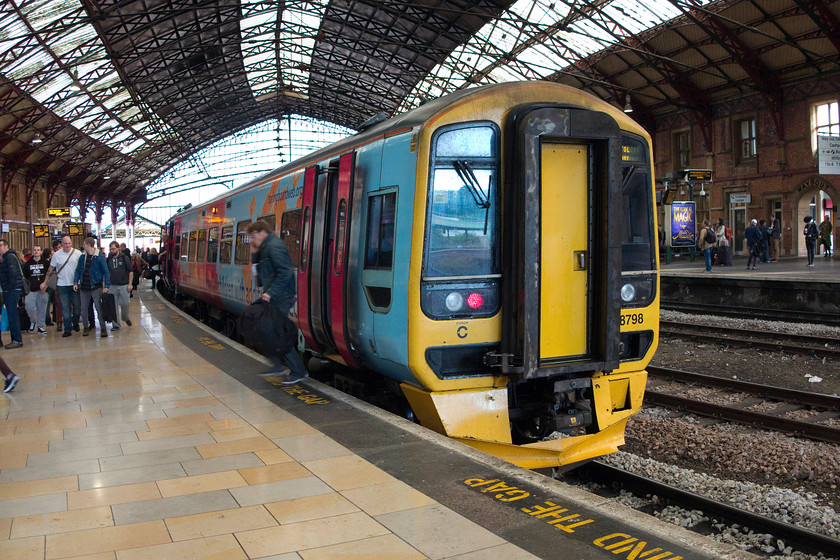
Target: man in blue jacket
(754, 238)
(11, 280)
(275, 275)
(92, 279)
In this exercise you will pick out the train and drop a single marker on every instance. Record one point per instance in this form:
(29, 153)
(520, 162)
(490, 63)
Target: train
(489, 257)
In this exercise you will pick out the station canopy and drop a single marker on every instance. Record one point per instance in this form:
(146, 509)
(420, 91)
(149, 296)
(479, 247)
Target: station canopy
(103, 96)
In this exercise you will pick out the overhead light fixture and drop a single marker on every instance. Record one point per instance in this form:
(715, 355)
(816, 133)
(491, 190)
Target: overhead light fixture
(106, 177)
(627, 107)
(702, 189)
(37, 139)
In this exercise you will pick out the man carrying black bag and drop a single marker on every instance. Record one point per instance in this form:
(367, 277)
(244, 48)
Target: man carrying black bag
(275, 275)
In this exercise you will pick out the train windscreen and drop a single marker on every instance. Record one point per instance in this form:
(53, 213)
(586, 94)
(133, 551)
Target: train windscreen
(638, 238)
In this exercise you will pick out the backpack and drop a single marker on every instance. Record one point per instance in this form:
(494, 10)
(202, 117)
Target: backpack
(728, 234)
(710, 235)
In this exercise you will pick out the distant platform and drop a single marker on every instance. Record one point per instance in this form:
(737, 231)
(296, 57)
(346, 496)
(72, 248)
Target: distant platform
(788, 268)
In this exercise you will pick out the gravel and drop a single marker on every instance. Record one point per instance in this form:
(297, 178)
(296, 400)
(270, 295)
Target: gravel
(786, 478)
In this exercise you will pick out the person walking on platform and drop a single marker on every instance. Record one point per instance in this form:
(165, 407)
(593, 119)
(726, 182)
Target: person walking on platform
(93, 280)
(764, 253)
(707, 242)
(63, 263)
(775, 238)
(122, 274)
(11, 280)
(753, 235)
(37, 300)
(724, 257)
(275, 275)
(11, 378)
(810, 232)
(825, 236)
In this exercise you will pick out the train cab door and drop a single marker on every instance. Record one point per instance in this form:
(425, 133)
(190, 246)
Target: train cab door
(561, 252)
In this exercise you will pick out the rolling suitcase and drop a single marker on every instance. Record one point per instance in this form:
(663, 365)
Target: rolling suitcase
(724, 256)
(109, 308)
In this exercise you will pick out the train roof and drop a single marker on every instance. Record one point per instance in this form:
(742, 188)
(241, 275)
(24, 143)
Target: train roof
(409, 119)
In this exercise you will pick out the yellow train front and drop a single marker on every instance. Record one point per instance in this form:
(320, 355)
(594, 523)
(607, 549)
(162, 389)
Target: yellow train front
(491, 254)
(533, 286)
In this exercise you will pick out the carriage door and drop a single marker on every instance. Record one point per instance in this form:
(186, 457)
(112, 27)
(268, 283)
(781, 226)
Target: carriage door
(305, 266)
(561, 246)
(337, 266)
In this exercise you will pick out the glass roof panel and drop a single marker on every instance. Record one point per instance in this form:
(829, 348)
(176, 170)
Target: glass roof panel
(68, 52)
(277, 62)
(578, 34)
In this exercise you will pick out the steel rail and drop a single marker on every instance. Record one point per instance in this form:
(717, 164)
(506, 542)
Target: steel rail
(752, 313)
(743, 337)
(818, 400)
(796, 427)
(797, 537)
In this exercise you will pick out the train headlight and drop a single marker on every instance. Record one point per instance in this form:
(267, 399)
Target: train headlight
(628, 293)
(454, 301)
(637, 290)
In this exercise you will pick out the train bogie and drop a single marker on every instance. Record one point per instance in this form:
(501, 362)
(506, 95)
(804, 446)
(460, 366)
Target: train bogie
(494, 252)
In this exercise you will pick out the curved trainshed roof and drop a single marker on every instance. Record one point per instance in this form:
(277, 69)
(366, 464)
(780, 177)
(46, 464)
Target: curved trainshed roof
(102, 96)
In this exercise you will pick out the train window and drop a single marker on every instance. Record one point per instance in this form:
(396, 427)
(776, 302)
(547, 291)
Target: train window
(290, 233)
(175, 254)
(304, 248)
(192, 246)
(379, 249)
(201, 249)
(338, 264)
(638, 241)
(243, 244)
(185, 245)
(212, 244)
(462, 237)
(271, 220)
(227, 245)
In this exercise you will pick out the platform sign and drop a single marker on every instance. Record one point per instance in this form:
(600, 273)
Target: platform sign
(828, 153)
(42, 231)
(58, 212)
(682, 224)
(76, 229)
(698, 175)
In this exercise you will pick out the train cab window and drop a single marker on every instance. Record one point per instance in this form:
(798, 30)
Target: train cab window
(201, 248)
(243, 244)
(184, 246)
(175, 254)
(271, 220)
(462, 237)
(212, 244)
(227, 245)
(638, 238)
(290, 233)
(192, 247)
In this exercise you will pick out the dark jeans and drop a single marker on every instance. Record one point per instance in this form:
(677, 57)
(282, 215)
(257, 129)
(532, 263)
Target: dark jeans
(67, 296)
(291, 358)
(707, 252)
(753, 258)
(810, 246)
(10, 300)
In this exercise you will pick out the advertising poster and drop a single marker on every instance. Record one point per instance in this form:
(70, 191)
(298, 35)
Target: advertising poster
(683, 225)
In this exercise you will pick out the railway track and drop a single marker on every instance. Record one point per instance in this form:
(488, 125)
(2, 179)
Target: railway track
(829, 319)
(800, 539)
(768, 340)
(738, 412)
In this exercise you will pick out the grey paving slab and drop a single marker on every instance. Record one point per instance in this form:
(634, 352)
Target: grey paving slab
(167, 443)
(92, 441)
(50, 471)
(161, 457)
(278, 491)
(220, 464)
(34, 505)
(73, 454)
(138, 512)
(92, 431)
(131, 476)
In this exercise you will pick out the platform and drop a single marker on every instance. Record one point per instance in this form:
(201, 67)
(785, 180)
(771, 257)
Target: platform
(161, 442)
(788, 268)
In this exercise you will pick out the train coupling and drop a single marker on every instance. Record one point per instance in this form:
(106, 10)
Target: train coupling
(506, 363)
(571, 408)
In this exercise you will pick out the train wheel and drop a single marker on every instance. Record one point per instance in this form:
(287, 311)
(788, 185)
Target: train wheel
(532, 430)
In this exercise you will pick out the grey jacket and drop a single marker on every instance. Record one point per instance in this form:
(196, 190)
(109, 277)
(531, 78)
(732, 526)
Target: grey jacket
(275, 273)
